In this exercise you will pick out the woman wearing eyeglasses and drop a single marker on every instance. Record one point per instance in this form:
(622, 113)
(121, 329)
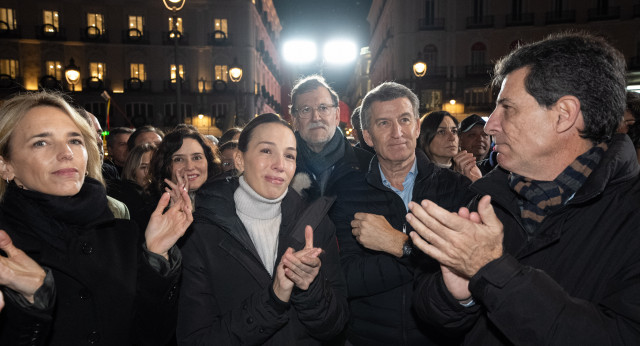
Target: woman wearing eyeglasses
(439, 140)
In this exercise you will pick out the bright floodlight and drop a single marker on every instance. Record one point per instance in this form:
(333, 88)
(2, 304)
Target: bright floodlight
(299, 51)
(340, 52)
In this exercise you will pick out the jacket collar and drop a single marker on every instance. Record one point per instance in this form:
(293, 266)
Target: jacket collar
(424, 165)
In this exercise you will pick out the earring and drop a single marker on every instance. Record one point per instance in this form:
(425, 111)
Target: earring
(7, 180)
(86, 173)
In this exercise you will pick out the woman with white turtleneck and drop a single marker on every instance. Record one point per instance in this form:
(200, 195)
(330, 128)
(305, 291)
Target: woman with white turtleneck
(260, 266)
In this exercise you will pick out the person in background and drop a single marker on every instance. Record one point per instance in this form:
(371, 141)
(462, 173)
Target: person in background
(326, 159)
(183, 160)
(549, 254)
(145, 134)
(473, 139)
(631, 113)
(131, 190)
(70, 273)
(117, 147)
(231, 134)
(227, 154)
(439, 140)
(355, 122)
(261, 267)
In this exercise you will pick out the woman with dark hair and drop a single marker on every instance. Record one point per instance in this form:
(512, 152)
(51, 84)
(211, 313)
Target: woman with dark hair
(439, 140)
(231, 134)
(70, 272)
(183, 160)
(261, 267)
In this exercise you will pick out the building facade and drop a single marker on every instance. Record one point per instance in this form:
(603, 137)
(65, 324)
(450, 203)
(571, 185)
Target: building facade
(127, 48)
(461, 39)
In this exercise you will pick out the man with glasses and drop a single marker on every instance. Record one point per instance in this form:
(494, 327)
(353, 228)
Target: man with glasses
(325, 156)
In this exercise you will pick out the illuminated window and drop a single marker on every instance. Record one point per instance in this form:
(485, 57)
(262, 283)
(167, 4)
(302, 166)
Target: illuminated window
(222, 72)
(97, 70)
(220, 24)
(52, 20)
(178, 23)
(96, 20)
(54, 69)
(136, 22)
(9, 67)
(173, 72)
(137, 71)
(8, 16)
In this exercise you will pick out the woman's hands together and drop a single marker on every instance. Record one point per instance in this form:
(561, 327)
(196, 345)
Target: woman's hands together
(298, 268)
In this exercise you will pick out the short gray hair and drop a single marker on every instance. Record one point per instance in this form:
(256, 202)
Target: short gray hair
(311, 83)
(387, 91)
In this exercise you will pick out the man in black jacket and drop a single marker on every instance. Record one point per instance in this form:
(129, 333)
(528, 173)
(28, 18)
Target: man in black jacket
(325, 156)
(551, 258)
(369, 217)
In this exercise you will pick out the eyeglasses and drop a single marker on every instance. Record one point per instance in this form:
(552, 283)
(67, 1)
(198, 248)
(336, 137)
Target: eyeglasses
(305, 112)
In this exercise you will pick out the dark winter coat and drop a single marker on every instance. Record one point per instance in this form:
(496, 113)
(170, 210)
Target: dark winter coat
(354, 160)
(106, 291)
(228, 297)
(381, 285)
(576, 282)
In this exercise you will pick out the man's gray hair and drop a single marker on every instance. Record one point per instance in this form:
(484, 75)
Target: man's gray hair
(311, 83)
(387, 91)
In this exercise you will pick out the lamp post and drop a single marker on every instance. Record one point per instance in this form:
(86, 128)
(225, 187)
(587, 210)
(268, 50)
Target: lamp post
(174, 6)
(235, 74)
(72, 74)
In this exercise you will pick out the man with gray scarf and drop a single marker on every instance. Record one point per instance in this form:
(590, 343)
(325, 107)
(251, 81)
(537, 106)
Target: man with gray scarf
(326, 160)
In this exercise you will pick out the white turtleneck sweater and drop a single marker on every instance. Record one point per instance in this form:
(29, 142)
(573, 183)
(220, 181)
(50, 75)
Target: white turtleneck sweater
(261, 217)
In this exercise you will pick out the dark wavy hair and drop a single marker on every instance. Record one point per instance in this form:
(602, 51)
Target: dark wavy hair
(160, 165)
(577, 64)
(429, 128)
(247, 132)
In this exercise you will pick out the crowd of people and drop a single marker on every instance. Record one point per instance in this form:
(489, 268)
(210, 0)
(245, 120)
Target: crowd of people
(519, 229)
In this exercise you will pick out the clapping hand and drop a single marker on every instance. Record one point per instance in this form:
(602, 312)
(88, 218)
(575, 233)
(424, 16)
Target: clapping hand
(164, 230)
(19, 271)
(298, 268)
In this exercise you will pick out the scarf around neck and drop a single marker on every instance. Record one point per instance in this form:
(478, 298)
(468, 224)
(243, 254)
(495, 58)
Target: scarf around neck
(537, 199)
(318, 163)
(53, 218)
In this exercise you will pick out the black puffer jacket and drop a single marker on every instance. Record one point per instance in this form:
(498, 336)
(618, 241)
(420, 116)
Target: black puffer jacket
(577, 282)
(381, 285)
(228, 297)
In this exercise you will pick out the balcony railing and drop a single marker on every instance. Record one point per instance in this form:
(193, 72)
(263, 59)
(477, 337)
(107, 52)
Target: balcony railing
(183, 39)
(135, 36)
(431, 24)
(135, 84)
(557, 17)
(218, 38)
(7, 32)
(50, 32)
(93, 34)
(519, 19)
(476, 22)
(478, 70)
(603, 13)
(170, 85)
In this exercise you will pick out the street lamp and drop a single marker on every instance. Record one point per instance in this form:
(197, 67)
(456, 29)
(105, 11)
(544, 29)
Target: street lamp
(419, 68)
(72, 74)
(174, 6)
(235, 74)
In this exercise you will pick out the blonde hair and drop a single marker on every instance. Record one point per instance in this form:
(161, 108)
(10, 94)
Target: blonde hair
(14, 109)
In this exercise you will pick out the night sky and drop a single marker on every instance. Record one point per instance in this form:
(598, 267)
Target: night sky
(321, 20)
